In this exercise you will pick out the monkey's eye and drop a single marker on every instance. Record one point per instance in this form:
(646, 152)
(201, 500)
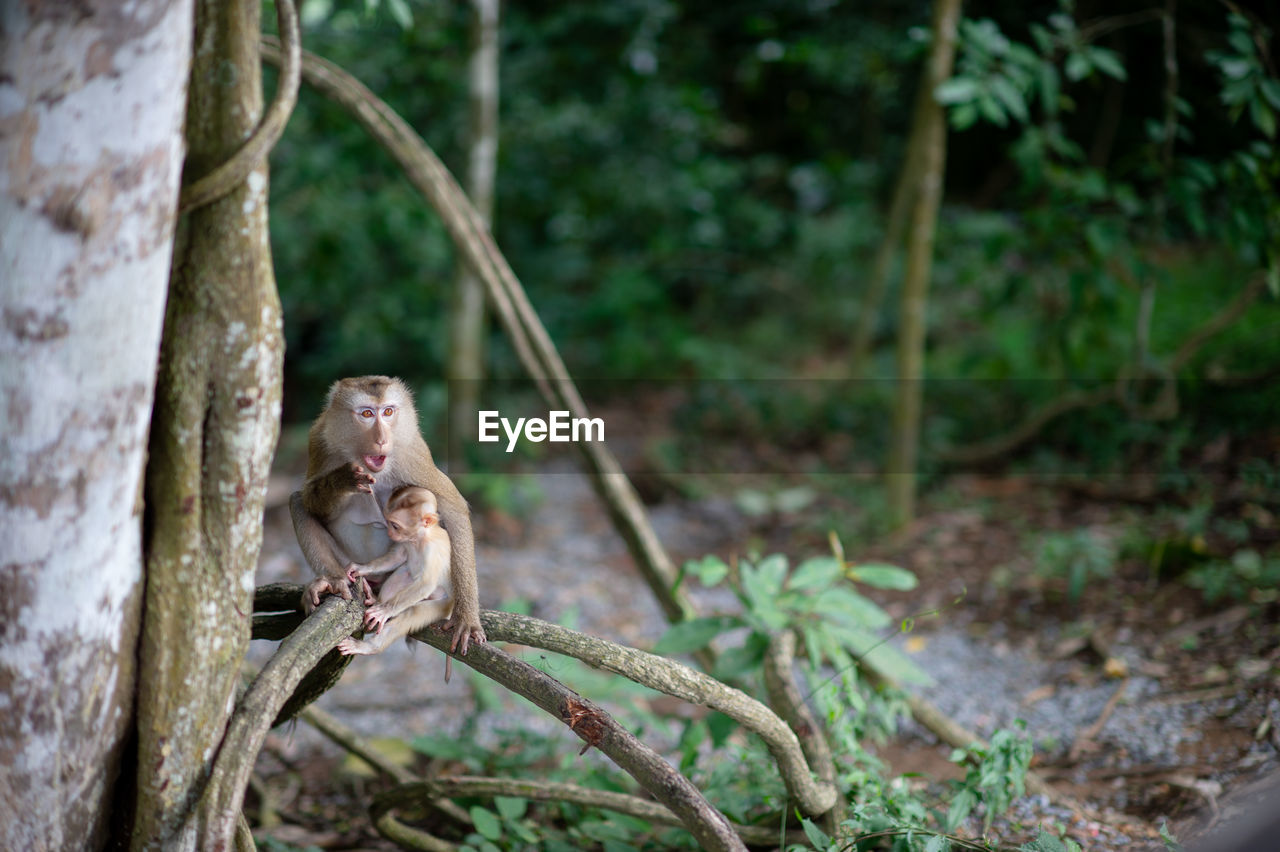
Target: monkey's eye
(388, 411)
(393, 525)
(366, 413)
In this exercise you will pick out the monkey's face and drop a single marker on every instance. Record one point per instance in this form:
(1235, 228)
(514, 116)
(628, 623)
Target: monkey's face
(403, 525)
(362, 416)
(375, 424)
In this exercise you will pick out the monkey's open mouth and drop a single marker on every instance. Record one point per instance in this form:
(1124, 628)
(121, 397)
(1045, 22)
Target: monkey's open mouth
(375, 463)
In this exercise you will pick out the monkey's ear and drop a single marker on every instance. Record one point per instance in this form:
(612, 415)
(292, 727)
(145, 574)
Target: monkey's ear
(430, 519)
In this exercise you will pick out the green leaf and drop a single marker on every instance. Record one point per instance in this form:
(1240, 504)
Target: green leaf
(1077, 67)
(1263, 117)
(709, 570)
(957, 90)
(850, 608)
(961, 806)
(816, 573)
(881, 576)
(937, 843)
(792, 500)
(742, 660)
(964, 116)
(761, 583)
(694, 634)
(991, 111)
(1108, 62)
(1271, 91)
(1012, 99)
(511, 807)
(486, 822)
(817, 836)
(753, 503)
(399, 10)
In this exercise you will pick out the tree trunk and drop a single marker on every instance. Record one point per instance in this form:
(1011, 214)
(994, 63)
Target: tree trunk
(214, 431)
(91, 141)
(467, 313)
(930, 125)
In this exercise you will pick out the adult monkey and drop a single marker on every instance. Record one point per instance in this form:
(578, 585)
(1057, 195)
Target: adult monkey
(364, 445)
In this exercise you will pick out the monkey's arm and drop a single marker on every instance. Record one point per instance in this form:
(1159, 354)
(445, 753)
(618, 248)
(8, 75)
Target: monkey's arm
(321, 552)
(455, 517)
(389, 561)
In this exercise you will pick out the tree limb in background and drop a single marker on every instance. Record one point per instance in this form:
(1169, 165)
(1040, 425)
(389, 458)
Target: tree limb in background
(904, 193)
(930, 125)
(466, 361)
(235, 170)
(1077, 399)
(528, 336)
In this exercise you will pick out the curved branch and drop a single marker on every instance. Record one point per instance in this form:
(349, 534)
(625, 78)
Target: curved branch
(534, 347)
(678, 680)
(409, 795)
(597, 728)
(234, 171)
(786, 699)
(274, 685)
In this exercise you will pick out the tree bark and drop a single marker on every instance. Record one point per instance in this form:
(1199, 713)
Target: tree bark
(214, 430)
(467, 311)
(91, 145)
(930, 124)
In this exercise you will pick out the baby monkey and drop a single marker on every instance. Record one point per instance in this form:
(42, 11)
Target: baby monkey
(418, 592)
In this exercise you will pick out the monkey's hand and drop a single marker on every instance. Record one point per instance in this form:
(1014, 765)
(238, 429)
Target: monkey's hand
(375, 617)
(465, 631)
(321, 586)
(361, 478)
(356, 574)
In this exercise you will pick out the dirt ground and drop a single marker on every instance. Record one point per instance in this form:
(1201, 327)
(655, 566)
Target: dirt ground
(1145, 704)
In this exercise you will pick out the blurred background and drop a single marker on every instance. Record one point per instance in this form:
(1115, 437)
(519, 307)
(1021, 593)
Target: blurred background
(715, 210)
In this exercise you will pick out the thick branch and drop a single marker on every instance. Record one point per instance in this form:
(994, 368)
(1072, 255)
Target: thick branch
(597, 728)
(786, 699)
(257, 710)
(679, 680)
(533, 345)
(248, 156)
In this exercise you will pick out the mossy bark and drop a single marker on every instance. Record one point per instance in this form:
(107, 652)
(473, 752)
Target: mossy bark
(213, 434)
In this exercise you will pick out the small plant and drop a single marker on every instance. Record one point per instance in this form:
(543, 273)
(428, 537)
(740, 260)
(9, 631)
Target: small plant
(1046, 842)
(1078, 556)
(1245, 575)
(996, 775)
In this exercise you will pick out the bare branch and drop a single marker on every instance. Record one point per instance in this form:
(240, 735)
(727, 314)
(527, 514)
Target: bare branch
(597, 728)
(681, 681)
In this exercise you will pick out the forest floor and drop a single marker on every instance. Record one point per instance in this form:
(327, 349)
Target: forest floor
(1145, 703)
